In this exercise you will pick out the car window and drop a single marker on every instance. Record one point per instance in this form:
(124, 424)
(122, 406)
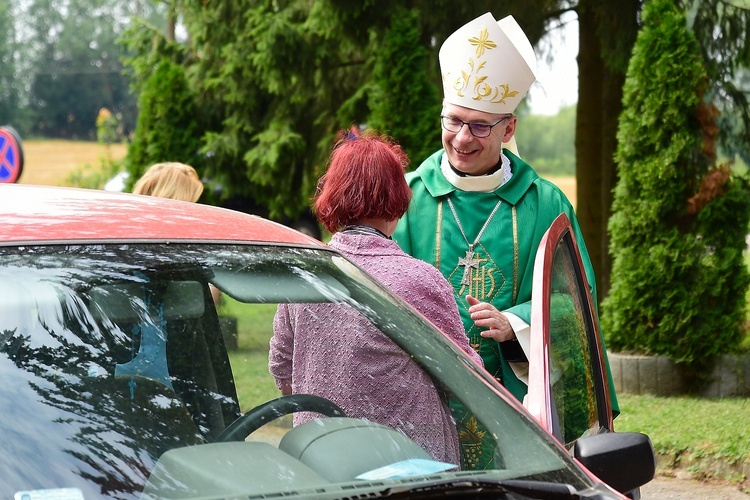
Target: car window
(574, 383)
(577, 399)
(121, 368)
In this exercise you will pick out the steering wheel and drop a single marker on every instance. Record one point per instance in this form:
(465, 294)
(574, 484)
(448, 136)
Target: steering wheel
(271, 410)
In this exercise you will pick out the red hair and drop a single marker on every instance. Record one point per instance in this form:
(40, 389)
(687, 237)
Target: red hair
(364, 179)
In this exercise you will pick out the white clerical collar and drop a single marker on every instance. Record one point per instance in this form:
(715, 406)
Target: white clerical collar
(478, 183)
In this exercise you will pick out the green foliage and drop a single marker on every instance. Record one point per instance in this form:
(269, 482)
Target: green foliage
(166, 129)
(268, 82)
(74, 65)
(722, 28)
(274, 82)
(679, 222)
(94, 176)
(109, 128)
(401, 88)
(569, 355)
(547, 143)
(9, 88)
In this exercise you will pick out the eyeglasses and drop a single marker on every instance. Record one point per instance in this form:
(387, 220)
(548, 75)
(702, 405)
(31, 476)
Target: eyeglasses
(480, 130)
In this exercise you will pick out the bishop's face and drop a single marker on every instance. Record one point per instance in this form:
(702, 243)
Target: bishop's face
(476, 155)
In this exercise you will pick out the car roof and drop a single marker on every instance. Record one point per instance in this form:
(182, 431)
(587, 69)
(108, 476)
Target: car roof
(46, 214)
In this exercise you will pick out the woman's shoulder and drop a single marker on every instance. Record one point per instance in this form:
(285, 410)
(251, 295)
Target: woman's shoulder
(385, 260)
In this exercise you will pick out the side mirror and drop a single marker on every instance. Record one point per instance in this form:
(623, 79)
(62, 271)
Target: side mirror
(624, 460)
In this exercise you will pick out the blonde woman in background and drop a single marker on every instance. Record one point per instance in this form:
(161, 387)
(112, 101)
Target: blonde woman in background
(170, 180)
(176, 181)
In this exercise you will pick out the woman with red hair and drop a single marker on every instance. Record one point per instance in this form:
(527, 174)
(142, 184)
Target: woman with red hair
(332, 351)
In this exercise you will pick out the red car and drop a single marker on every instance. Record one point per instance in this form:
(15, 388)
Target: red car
(119, 378)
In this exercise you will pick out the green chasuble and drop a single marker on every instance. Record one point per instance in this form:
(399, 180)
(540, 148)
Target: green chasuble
(501, 269)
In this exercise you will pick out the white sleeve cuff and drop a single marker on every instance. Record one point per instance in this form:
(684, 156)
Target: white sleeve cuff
(523, 335)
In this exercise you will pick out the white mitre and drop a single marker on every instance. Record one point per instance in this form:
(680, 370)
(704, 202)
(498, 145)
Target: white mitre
(487, 65)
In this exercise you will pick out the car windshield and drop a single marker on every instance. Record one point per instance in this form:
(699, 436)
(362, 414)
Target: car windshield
(122, 375)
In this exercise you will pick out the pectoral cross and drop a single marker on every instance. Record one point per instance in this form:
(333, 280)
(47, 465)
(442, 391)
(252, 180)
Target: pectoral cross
(468, 261)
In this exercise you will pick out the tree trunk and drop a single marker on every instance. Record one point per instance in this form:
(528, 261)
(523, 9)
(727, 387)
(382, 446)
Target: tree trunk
(171, 22)
(601, 75)
(588, 142)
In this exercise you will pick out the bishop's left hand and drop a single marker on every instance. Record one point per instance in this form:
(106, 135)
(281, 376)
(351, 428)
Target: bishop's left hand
(492, 323)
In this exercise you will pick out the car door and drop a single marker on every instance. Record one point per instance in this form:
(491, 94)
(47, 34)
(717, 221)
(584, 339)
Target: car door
(568, 388)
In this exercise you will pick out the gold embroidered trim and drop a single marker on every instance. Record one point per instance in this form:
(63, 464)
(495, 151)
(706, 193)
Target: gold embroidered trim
(459, 82)
(438, 233)
(515, 254)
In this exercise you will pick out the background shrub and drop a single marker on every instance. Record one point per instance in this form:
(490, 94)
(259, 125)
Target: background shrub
(679, 220)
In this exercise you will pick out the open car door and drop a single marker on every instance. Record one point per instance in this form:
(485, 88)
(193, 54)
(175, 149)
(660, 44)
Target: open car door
(568, 387)
(568, 384)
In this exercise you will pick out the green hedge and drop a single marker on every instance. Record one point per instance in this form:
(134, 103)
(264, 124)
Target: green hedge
(679, 220)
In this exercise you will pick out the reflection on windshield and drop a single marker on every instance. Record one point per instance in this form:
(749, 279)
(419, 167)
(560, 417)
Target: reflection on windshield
(112, 358)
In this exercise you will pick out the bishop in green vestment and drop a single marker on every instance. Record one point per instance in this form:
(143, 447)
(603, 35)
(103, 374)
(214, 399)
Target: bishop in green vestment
(478, 212)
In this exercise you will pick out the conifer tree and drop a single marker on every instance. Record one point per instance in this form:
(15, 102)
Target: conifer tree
(679, 220)
(166, 129)
(401, 88)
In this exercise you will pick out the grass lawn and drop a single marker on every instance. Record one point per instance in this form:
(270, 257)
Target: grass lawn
(250, 361)
(703, 435)
(56, 162)
(254, 384)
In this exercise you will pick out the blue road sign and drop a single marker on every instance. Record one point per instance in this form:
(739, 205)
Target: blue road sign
(11, 155)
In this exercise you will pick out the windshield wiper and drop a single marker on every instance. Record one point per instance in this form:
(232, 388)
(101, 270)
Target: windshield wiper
(479, 488)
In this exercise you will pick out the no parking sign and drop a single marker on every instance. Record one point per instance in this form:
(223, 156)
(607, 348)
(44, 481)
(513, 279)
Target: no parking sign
(11, 155)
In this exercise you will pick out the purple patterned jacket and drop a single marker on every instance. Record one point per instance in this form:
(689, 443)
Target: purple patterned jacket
(334, 352)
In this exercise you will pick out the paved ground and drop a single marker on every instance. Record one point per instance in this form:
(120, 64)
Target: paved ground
(672, 488)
